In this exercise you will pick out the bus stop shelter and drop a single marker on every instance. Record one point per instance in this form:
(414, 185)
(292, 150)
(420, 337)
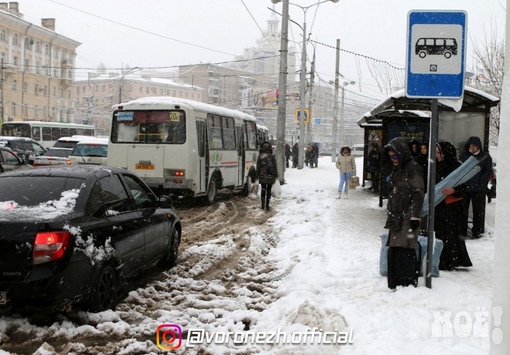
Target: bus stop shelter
(409, 118)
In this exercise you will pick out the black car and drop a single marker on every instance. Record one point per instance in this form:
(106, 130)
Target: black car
(27, 148)
(76, 235)
(10, 161)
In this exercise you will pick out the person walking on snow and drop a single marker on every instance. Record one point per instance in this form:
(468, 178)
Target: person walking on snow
(267, 173)
(346, 164)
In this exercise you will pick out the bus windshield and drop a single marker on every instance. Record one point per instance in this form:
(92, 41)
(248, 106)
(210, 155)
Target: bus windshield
(149, 126)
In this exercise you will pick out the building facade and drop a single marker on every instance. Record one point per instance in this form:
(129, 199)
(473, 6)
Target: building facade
(96, 95)
(37, 69)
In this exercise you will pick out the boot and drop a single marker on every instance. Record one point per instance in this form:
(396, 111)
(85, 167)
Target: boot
(345, 195)
(339, 196)
(263, 205)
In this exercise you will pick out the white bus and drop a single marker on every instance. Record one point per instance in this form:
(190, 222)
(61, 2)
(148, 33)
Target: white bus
(185, 148)
(46, 133)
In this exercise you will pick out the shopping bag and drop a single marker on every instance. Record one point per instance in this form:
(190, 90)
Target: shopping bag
(353, 182)
(276, 190)
(421, 253)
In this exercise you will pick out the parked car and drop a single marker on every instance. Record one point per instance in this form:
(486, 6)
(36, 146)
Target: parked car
(10, 161)
(26, 148)
(76, 235)
(358, 150)
(53, 156)
(91, 151)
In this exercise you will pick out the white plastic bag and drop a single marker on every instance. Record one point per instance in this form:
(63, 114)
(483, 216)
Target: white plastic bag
(276, 190)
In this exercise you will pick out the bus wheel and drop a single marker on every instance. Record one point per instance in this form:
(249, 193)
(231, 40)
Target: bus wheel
(247, 187)
(212, 191)
(422, 54)
(447, 54)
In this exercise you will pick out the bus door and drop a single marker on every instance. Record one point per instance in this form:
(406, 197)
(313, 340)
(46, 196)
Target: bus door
(241, 164)
(203, 156)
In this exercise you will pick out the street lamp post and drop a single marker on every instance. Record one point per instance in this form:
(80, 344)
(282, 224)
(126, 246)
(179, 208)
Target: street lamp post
(121, 82)
(342, 113)
(302, 84)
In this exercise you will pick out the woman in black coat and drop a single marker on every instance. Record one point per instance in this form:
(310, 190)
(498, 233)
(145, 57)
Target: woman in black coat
(448, 213)
(267, 172)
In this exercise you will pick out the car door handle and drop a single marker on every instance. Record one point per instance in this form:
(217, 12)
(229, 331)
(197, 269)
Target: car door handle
(117, 228)
(147, 220)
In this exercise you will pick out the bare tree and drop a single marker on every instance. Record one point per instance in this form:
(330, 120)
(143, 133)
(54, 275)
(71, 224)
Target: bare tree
(488, 77)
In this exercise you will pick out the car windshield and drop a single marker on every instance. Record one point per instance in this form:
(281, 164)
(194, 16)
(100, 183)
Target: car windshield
(90, 150)
(35, 190)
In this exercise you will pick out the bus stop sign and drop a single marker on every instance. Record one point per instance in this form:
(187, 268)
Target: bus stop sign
(436, 47)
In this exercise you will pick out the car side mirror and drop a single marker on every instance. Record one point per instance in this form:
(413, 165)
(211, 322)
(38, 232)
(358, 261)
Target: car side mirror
(165, 201)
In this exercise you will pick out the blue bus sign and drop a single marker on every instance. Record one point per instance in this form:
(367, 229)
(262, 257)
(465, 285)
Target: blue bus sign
(436, 49)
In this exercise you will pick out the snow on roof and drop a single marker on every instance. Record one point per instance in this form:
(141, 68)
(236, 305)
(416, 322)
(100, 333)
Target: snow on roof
(158, 101)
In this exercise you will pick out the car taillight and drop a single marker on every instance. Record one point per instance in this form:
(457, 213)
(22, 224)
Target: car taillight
(50, 246)
(68, 162)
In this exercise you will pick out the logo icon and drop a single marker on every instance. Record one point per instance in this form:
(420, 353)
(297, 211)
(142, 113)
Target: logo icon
(169, 336)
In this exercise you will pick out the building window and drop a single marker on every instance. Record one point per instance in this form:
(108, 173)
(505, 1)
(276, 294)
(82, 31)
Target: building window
(103, 88)
(61, 93)
(25, 87)
(54, 92)
(46, 49)
(45, 91)
(37, 46)
(27, 65)
(13, 108)
(15, 61)
(147, 90)
(77, 90)
(35, 111)
(2, 35)
(36, 89)
(27, 42)
(140, 89)
(14, 85)
(15, 39)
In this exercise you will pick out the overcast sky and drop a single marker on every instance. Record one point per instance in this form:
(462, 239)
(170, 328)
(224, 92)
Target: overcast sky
(155, 33)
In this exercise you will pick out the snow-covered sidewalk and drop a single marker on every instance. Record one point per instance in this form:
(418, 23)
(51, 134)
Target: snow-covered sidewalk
(330, 249)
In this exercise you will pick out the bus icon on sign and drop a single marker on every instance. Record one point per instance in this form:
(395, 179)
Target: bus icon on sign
(436, 46)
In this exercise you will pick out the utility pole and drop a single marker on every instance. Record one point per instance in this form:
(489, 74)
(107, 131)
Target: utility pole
(282, 99)
(335, 100)
(310, 99)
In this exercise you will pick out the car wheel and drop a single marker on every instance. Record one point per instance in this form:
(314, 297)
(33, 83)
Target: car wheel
(211, 191)
(170, 257)
(105, 290)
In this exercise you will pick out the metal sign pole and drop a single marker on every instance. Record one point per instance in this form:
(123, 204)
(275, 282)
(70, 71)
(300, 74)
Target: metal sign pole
(431, 185)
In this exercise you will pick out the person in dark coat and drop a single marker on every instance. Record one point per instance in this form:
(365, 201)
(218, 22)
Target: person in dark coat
(315, 155)
(295, 152)
(267, 172)
(476, 187)
(374, 166)
(288, 153)
(414, 146)
(448, 213)
(404, 206)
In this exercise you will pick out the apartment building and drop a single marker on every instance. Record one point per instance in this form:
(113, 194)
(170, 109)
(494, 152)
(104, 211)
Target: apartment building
(96, 95)
(36, 67)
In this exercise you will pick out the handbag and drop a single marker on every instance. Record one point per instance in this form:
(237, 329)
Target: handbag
(353, 182)
(276, 190)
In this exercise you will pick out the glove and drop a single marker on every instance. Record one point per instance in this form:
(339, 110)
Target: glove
(415, 224)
